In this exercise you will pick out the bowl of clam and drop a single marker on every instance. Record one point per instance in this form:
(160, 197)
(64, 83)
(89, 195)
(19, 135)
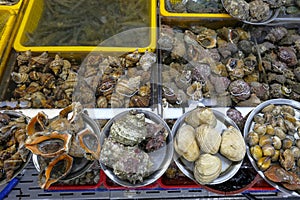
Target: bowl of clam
(136, 148)
(272, 135)
(209, 147)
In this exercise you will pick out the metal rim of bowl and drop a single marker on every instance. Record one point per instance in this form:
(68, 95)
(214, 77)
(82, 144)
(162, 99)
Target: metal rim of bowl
(23, 166)
(248, 123)
(87, 165)
(220, 116)
(165, 163)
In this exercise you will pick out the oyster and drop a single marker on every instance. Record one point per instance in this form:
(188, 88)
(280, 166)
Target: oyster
(128, 163)
(130, 129)
(200, 116)
(207, 168)
(185, 143)
(133, 165)
(58, 168)
(208, 138)
(233, 145)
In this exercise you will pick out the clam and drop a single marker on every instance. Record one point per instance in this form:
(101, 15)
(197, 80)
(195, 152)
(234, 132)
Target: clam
(287, 159)
(275, 157)
(252, 138)
(207, 168)
(276, 142)
(256, 152)
(268, 150)
(200, 116)
(265, 139)
(264, 163)
(185, 143)
(233, 145)
(208, 138)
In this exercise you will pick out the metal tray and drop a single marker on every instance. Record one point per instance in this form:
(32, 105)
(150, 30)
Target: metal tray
(229, 168)
(249, 126)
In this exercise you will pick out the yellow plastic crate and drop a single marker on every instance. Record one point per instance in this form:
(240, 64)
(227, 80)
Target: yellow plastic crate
(33, 15)
(16, 6)
(165, 13)
(7, 19)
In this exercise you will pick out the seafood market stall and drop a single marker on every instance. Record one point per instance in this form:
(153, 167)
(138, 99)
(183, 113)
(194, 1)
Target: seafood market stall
(156, 99)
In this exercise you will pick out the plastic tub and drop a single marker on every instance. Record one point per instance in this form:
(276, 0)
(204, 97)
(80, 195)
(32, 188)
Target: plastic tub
(14, 6)
(37, 10)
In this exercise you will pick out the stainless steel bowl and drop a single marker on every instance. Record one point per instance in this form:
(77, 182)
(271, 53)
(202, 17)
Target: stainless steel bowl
(161, 158)
(229, 168)
(248, 127)
(80, 165)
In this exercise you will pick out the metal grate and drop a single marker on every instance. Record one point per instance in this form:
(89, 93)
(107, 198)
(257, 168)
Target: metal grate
(28, 188)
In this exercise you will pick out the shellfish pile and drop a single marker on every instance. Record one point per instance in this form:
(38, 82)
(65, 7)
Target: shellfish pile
(252, 10)
(116, 81)
(225, 67)
(128, 147)
(43, 81)
(13, 154)
(106, 81)
(198, 140)
(275, 146)
(58, 141)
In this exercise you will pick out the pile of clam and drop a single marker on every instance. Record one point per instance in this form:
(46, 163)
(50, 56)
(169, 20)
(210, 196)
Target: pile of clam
(106, 81)
(198, 141)
(58, 141)
(13, 154)
(225, 67)
(275, 145)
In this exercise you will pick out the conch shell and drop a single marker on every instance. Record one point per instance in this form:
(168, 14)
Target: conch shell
(207, 168)
(48, 144)
(200, 116)
(90, 143)
(233, 145)
(185, 143)
(208, 139)
(37, 123)
(57, 169)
